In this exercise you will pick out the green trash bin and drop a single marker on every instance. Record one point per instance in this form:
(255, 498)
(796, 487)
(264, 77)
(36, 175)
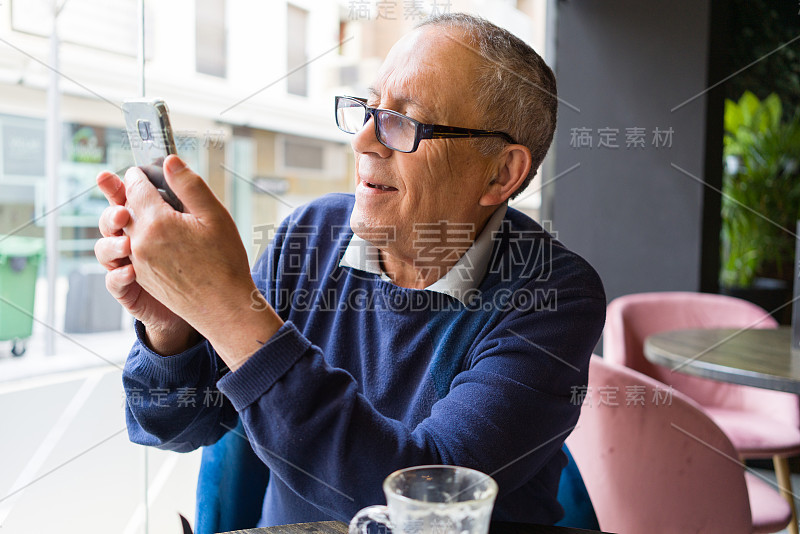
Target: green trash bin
(19, 264)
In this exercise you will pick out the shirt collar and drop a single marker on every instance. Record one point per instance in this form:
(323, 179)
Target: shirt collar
(459, 282)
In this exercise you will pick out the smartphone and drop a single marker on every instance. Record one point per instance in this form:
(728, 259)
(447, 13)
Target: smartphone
(151, 140)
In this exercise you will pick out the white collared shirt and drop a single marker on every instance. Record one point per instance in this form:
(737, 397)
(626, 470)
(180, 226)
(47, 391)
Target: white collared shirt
(460, 281)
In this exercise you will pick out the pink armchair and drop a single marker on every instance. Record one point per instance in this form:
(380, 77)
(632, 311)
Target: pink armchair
(760, 423)
(657, 463)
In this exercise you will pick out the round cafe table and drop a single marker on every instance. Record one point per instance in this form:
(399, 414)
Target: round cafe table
(752, 357)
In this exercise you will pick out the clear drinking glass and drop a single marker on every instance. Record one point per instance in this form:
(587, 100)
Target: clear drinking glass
(432, 499)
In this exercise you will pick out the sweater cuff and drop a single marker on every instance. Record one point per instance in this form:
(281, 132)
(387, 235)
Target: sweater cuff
(174, 365)
(265, 367)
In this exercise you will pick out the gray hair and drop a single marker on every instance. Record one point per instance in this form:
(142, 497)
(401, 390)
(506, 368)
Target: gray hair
(514, 87)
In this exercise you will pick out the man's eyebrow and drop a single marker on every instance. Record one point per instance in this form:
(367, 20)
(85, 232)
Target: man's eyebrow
(405, 100)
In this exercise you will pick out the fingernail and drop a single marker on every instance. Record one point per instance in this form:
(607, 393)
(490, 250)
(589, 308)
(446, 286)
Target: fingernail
(175, 164)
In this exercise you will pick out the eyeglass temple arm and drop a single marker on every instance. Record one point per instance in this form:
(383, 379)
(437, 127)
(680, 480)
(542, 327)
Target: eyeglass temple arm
(436, 131)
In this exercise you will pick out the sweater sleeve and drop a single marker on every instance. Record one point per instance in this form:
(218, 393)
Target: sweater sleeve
(172, 402)
(507, 414)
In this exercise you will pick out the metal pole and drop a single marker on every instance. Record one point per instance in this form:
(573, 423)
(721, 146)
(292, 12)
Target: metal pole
(53, 157)
(140, 60)
(140, 55)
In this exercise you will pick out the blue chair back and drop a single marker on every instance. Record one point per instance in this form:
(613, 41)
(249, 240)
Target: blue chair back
(230, 486)
(572, 494)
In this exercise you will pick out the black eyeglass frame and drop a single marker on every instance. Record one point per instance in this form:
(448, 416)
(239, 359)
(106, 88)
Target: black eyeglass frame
(421, 129)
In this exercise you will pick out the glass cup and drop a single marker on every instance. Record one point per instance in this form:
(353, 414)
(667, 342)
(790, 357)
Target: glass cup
(432, 499)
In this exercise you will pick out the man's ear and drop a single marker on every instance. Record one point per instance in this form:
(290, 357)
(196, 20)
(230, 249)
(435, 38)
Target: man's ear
(514, 163)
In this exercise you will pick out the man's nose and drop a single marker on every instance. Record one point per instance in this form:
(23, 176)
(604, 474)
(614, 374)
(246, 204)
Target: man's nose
(365, 141)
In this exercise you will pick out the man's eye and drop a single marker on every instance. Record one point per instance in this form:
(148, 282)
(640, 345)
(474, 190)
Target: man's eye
(393, 121)
(397, 124)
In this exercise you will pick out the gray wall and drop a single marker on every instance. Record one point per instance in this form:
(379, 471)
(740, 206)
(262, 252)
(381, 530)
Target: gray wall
(626, 64)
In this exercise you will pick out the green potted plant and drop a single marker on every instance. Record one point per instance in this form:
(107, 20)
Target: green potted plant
(760, 202)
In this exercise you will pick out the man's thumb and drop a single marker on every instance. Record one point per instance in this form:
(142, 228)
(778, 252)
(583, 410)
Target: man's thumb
(189, 187)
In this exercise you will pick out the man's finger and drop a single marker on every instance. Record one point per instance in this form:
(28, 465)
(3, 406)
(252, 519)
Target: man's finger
(120, 280)
(113, 252)
(141, 194)
(193, 191)
(112, 187)
(113, 220)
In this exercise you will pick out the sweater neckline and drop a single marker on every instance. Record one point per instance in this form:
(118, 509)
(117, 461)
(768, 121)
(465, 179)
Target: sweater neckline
(460, 282)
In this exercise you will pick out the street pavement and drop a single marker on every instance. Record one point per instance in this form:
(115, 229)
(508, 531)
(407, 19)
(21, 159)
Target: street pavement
(66, 464)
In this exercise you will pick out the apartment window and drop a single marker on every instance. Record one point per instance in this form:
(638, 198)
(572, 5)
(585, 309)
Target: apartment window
(210, 37)
(308, 158)
(301, 154)
(297, 55)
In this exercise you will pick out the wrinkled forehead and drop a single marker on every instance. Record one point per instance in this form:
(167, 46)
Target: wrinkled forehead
(433, 69)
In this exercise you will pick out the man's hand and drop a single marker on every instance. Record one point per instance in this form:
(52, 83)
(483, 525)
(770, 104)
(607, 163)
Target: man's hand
(166, 332)
(195, 263)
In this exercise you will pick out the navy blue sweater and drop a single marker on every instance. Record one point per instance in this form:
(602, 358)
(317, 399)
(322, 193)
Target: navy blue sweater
(367, 377)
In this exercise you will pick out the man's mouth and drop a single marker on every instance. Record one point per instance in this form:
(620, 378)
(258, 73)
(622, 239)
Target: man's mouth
(379, 186)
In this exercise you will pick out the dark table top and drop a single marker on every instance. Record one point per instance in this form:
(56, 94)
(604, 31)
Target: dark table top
(752, 357)
(337, 527)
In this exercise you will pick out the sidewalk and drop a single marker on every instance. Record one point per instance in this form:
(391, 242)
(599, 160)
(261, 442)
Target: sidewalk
(68, 464)
(72, 351)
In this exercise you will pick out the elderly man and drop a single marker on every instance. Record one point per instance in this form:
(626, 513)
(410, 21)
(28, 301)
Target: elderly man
(421, 321)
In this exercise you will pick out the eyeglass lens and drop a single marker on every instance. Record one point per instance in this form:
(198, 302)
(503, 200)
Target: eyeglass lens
(394, 130)
(351, 115)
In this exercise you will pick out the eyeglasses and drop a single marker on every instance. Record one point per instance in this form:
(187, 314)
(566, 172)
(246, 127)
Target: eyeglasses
(396, 131)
